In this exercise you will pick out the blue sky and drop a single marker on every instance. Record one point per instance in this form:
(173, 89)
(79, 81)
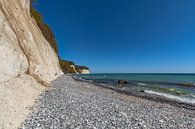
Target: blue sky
(124, 35)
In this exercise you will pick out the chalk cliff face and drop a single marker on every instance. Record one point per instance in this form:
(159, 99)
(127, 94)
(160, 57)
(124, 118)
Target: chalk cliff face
(71, 67)
(23, 48)
(85, 71)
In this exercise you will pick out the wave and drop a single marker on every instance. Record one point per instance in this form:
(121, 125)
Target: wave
(141, 84)
(165, 83)
(180, 100)
(174, 97)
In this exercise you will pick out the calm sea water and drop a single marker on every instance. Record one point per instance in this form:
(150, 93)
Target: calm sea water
(182, 85)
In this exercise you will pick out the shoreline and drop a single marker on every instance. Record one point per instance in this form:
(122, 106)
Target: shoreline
(144, 95)
(75, 104)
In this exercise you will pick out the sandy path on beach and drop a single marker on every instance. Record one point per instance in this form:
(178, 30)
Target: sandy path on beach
(16, 97)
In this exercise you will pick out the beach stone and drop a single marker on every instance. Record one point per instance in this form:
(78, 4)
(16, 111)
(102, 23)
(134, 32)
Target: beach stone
(122, 82)
(86, 106)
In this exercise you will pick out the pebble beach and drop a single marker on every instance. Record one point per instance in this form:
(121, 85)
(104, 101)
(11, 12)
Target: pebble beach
(71, 104)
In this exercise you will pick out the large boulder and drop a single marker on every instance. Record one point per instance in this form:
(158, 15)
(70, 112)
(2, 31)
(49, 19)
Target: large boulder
(122, 82)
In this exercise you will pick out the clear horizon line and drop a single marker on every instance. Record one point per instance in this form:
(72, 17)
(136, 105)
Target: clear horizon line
(143, 72)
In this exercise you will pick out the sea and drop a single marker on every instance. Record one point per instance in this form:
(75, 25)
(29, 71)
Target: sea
(180, 87)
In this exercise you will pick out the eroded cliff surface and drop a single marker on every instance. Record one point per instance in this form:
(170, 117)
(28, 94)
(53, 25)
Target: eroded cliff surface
(22, 45)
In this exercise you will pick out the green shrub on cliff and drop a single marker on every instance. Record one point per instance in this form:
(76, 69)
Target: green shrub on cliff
(66, 66)
(80, 68)
(45, 29)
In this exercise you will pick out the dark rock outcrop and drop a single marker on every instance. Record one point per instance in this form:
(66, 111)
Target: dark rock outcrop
(122, 82)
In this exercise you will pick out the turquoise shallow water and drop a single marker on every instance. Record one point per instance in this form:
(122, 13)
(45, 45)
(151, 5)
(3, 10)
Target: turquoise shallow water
(176, 84)
(172, 78)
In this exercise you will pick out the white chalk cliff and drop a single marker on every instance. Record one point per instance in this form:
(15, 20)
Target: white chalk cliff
(23, 48)
(26, 58)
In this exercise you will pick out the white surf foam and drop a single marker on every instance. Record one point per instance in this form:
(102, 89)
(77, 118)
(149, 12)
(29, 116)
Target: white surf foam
(141, 84)
(174, 97)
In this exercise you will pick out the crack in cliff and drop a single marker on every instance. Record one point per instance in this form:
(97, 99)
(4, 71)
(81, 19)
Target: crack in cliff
(11, 26)
(12, 22)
